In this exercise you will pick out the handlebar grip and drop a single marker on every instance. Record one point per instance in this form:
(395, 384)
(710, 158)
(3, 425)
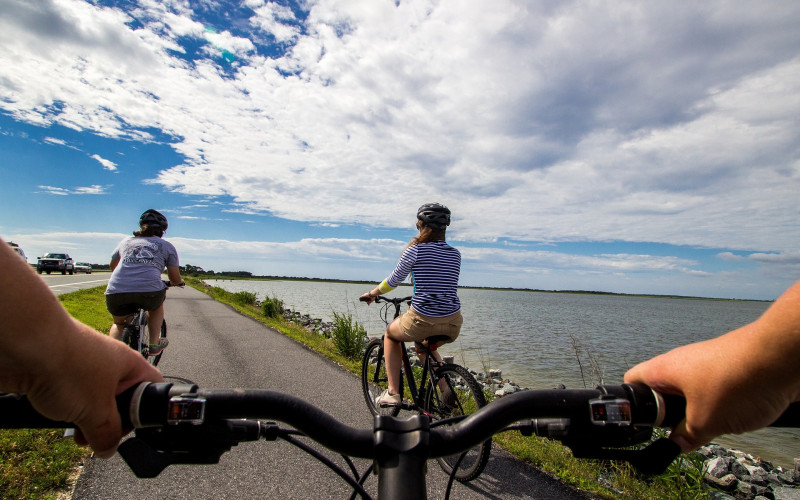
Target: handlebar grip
(16, 412)
(673, 410)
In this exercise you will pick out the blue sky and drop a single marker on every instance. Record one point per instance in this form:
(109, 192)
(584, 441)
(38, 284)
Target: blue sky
(634, 147)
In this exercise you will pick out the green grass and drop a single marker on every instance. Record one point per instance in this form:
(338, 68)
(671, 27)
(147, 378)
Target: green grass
(38, 463)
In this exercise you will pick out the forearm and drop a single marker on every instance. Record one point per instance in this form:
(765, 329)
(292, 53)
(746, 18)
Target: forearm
(774, 341)
(383, 287)
(35, 327)
(174, 274)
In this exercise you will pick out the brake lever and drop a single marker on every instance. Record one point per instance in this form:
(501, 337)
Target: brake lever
(154, 449)
(653, 459)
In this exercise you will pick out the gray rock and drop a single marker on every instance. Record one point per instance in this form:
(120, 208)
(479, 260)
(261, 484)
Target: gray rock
(745, 490)
(718, 495)
(738, 469)
(719, 466)
(727, 482)
(786, 493)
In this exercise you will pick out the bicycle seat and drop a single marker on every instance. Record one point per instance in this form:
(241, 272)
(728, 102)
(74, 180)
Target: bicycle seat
(435, 340)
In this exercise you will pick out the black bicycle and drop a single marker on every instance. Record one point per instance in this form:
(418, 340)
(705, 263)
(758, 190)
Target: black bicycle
(445, 390)
(183, 424)
(135, 333)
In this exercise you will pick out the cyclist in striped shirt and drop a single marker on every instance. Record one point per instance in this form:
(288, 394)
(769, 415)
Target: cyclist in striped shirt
(434, 267)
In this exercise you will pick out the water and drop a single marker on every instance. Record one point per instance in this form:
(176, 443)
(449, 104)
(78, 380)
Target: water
(540, 340)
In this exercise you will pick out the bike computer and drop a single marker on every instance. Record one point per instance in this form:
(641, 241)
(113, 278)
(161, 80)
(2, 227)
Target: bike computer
(615, 411)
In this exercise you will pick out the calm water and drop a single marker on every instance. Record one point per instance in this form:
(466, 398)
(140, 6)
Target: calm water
(537, 339)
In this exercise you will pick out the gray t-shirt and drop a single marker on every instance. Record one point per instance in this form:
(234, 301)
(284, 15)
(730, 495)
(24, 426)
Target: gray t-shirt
(141, 262)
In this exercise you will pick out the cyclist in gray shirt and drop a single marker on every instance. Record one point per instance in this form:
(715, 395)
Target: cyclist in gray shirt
(137, 264)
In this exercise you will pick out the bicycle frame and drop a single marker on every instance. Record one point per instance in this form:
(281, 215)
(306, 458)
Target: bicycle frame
(135, 330)
(428, 375)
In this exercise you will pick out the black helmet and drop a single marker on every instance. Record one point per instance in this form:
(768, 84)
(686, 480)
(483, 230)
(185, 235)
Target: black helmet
(434, 215)
(153, 218)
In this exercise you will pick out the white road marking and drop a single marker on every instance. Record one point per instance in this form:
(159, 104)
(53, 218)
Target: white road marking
(78, 283)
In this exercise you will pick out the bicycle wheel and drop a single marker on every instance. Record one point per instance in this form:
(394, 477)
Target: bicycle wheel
(155, 359)
(374, 380)
(463, 396)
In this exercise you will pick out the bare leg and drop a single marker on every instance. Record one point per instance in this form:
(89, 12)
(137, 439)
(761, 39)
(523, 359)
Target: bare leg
(393, 354)
(119, 324)
(154, 320)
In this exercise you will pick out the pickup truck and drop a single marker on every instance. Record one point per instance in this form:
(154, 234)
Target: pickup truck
(55, 262)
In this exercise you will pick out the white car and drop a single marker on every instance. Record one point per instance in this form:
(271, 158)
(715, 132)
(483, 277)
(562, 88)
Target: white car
(83, 267)
(17, 249)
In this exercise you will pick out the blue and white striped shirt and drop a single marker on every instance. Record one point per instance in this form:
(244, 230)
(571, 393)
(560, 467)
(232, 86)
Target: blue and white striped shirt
(434, 267)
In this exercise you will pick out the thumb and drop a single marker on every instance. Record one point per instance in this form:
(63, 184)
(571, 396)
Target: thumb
(104, 436)
(683, 437)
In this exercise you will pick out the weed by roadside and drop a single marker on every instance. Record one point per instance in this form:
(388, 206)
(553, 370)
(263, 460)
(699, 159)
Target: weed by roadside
(348, 336)
(272, 307)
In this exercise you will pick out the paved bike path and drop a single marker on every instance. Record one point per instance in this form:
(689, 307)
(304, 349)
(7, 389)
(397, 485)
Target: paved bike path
(216, 347)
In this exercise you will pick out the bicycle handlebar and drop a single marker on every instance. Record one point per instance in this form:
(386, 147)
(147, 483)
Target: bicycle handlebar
(393, 300)
(181, 423)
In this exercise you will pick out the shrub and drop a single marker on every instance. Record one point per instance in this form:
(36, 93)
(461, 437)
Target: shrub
(245, 298)
(272, 307)
(348, 336)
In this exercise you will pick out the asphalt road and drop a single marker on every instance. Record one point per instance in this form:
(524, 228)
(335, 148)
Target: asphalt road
(59, 283)
(216, 347)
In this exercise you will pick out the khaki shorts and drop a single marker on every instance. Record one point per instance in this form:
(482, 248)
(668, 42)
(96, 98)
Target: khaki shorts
(418, 327)
(125, 304)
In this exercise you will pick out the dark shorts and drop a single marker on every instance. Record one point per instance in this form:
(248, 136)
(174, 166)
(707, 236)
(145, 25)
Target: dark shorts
(125, 304)
(417, 327)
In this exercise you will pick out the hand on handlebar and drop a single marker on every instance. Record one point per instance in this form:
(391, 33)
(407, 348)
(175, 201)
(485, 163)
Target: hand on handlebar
(734, 383)
(368, 298)
(722, 397)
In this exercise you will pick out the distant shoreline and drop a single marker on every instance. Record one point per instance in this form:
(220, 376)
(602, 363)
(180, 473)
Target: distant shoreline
(241, 276)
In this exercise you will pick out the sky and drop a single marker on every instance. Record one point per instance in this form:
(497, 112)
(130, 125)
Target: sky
(616, 146)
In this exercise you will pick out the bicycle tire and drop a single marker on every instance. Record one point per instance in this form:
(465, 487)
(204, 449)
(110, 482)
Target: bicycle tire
(373, 385)
(469, 398)
(155, 359)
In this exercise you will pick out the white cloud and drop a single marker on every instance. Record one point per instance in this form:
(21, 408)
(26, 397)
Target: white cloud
(60, 191)
(576, 121)
(93, 189)
(107, 164)
(730, 257)
(54, 190)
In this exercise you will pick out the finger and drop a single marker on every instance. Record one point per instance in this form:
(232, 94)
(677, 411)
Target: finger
(103, 438)
(682, 437)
